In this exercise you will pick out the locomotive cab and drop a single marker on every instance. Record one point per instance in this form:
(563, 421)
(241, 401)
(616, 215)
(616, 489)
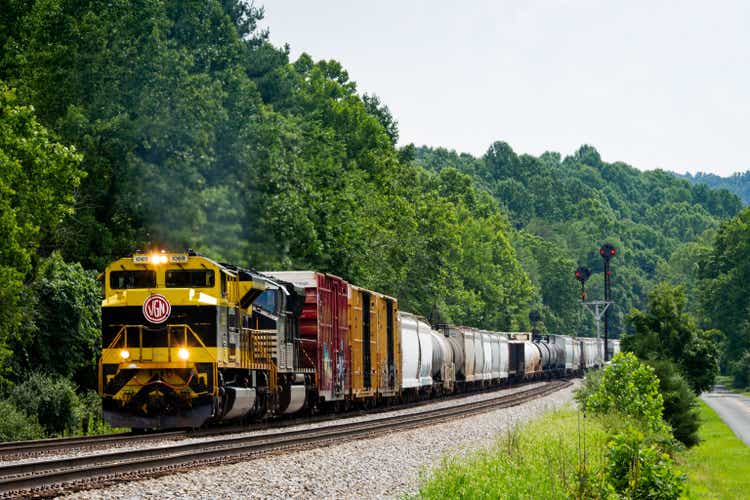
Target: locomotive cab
(183, 344)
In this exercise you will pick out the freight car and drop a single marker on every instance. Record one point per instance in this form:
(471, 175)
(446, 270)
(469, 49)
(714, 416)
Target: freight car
(189, 340)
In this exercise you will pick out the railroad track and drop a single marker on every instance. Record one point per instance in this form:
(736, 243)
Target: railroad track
(17, 450)
(49, 477)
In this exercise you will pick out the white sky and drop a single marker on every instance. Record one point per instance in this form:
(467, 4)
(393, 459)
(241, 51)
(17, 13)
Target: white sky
(653, 84)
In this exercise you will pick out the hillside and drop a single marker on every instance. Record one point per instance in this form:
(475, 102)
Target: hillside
(564, 208)
(737, 183)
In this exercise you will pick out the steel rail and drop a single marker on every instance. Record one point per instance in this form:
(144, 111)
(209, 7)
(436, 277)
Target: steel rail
(26, 449)
(39, 476)
(13, 448)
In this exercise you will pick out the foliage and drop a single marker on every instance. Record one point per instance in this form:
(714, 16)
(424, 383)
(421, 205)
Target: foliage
(666, 331)
(577, 203)
(741, 372)
(51, 399)
(90, 418)
(38, 176)
(725, 273)
(560, 455)
(546, 458)
(737, 183)
(680, 403)
(630, 388)
(66, 331)
(719, 467)
(636, 469)
(15, 425)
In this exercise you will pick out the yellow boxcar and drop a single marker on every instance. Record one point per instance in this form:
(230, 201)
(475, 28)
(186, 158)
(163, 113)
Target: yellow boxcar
(375, 345)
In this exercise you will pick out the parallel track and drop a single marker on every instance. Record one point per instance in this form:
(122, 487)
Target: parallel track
(53, 476)
(16, 450)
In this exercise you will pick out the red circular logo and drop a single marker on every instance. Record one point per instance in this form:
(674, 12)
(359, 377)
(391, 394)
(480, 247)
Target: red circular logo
(156, 308)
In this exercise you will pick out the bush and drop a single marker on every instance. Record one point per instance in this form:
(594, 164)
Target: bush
(741, 372)
(629, 388)
(16, 425)
(680, 406)
(90, 415)
(637, 469)
(52, 400)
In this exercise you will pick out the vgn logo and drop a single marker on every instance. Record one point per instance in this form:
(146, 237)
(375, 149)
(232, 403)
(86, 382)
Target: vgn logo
(156, 308)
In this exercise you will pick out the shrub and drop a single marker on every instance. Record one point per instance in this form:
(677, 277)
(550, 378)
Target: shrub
(52, 400)
(16, 425)
(637, 469)
(680, 405)
(90, 415)
(630, 388)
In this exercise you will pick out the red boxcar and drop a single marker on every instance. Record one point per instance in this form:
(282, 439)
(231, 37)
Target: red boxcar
(324, 330)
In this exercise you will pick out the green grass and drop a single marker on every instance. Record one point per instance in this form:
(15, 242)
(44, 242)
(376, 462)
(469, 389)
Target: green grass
(537, 460)
(719, 467)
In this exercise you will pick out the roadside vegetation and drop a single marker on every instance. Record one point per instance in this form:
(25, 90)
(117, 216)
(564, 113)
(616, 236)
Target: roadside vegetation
(719, 467)
(616, 446)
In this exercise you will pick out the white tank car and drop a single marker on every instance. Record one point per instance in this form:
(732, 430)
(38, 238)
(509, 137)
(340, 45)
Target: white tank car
(532, 359)
(442, 361)
(410, 353)
(456, 341)
(546, 358)
(425, 350)
(470, 358)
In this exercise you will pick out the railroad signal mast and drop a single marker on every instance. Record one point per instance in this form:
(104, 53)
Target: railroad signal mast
(599, 308)
(607, 251)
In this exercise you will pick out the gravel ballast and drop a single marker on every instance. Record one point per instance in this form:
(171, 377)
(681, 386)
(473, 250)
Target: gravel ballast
(381, 467)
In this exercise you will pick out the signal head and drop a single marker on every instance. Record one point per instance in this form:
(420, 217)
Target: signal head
(607, 251)
(582, 274)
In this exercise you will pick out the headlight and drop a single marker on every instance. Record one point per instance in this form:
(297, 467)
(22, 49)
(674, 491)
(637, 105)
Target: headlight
(183, 353)
(124, 354)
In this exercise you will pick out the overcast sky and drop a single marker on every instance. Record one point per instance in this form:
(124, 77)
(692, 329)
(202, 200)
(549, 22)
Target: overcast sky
(653, 84)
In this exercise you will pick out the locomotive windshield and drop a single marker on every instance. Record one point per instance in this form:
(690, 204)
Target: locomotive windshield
(121, 280)
(190, 278)
(267, 301)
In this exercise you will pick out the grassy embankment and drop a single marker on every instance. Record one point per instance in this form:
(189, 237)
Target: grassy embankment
(719, 467)
(539, 461)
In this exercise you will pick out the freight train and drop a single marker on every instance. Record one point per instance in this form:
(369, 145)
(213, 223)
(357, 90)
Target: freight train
(188, 340)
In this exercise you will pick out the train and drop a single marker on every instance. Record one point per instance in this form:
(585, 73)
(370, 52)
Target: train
(187, 340)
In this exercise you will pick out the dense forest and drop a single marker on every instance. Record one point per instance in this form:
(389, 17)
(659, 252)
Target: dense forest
(737, 183)
(152, 124)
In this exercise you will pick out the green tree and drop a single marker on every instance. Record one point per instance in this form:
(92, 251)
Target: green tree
(724, 275)
(38, 179)
(666, 332)
(65, 334)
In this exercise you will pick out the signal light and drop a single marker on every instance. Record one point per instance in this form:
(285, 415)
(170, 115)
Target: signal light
(582, 274)
(124, 354)
(183, 354)
(607, 251)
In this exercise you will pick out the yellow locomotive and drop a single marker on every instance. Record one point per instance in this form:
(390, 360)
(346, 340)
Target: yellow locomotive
(187, 340)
